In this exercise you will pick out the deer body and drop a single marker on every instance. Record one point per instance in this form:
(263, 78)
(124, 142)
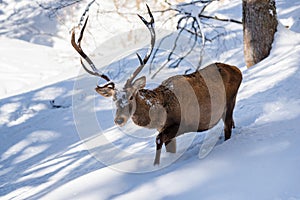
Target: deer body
(182, 103)
(166, 110)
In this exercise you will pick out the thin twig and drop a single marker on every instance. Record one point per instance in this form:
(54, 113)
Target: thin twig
(220, 19)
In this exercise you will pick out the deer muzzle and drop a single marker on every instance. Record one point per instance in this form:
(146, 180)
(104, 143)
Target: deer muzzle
(120, 121)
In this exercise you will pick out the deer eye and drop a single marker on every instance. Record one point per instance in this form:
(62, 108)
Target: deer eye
(131, 98)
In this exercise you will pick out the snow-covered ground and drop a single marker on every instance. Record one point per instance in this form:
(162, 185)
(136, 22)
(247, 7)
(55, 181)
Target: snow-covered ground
(42, 155)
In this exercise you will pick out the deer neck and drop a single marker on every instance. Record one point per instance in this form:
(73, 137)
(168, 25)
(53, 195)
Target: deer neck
(149, 110)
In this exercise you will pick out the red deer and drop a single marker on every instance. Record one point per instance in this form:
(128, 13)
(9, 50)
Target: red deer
(181, 104)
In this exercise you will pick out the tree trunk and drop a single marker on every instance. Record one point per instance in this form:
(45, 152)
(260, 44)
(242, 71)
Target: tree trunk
(259, 25)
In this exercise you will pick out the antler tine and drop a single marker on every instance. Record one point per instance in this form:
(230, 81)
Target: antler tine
(150, 26)
(77, 47)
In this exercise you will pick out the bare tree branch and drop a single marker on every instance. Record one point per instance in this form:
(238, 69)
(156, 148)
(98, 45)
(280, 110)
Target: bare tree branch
(190, 24)
(54, 7)
(220, 19)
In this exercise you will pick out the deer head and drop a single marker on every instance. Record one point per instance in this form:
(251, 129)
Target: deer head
(124, 98)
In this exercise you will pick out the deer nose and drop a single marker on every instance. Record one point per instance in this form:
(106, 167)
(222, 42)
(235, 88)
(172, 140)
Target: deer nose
(120, 121)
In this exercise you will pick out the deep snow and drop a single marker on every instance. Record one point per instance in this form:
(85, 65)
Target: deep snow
(42, 156)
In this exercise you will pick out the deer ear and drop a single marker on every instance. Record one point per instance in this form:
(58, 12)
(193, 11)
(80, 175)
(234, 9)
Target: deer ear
(105, 91)
(139, 83)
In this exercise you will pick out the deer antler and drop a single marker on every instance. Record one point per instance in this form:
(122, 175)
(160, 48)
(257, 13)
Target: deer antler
(77, 47)
(150, 26)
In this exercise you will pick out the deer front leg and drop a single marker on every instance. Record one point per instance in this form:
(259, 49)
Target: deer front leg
(159, 143)
(167, 136)
(171, 146)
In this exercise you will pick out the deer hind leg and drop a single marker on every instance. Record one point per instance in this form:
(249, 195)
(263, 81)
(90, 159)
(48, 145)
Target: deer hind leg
(228, 119)
(227, 127)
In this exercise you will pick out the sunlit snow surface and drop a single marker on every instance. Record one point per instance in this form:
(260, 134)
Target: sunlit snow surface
(42, 155)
